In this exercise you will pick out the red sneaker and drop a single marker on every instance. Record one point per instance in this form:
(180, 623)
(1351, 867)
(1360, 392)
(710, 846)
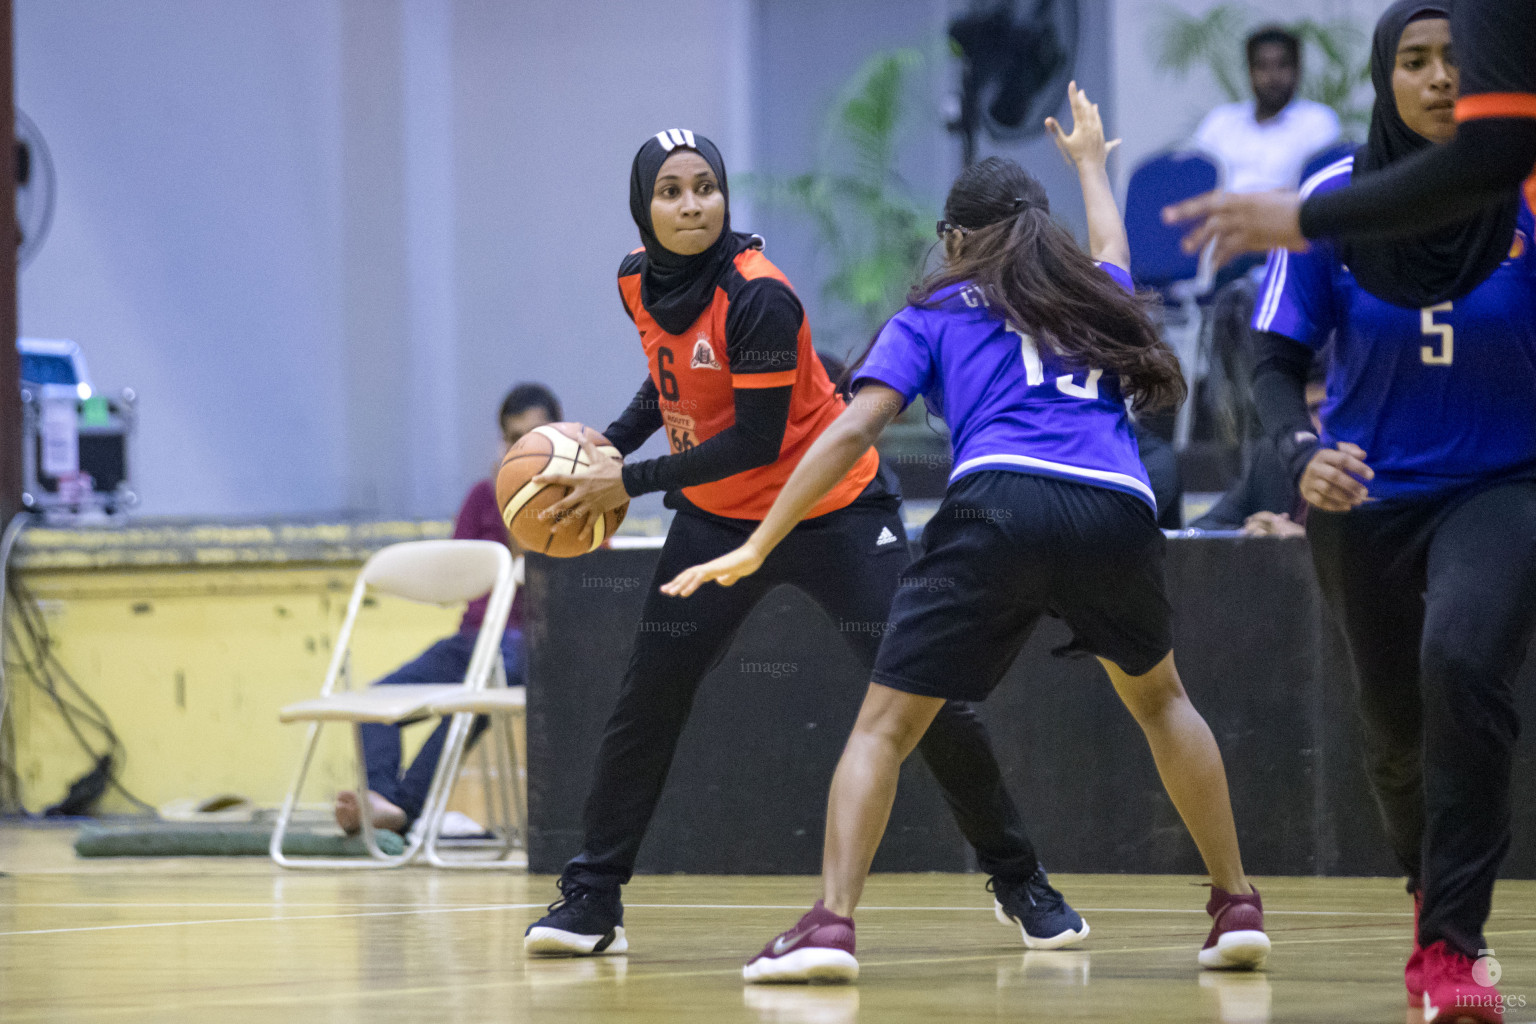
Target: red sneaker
(1413, 974)
(818, 948)
(1237, 940)
(1453, 993)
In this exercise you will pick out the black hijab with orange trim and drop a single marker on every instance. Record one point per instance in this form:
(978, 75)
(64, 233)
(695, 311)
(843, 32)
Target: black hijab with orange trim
(1445, 264)
(676, 289)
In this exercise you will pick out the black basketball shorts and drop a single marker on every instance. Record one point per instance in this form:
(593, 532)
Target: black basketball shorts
(1005, 548)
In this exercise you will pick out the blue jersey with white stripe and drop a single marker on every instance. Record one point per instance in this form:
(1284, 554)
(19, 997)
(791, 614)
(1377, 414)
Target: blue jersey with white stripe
(1439, 397)
(1010, 403)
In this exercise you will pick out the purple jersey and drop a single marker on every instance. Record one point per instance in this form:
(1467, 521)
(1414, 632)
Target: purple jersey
(1439, 397)
(1010, 403)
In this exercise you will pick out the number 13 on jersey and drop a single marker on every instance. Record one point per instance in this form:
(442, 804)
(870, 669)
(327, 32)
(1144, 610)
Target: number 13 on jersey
(1034, 370)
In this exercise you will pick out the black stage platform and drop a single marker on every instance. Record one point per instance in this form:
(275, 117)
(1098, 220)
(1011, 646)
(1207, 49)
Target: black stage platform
(1257, 652)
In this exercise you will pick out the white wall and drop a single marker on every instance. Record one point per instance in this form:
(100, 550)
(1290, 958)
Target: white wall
(1155, 109)
(322, 237)
(195, 251)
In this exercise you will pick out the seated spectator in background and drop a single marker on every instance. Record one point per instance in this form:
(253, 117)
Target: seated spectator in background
(1162, 465)
(1265, 501)
(1266, 143)
(395, 799)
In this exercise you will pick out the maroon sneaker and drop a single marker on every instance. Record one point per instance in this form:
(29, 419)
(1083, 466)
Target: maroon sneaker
(1237, 941)
(819, 948)
(1459, 990)
(1413, 974)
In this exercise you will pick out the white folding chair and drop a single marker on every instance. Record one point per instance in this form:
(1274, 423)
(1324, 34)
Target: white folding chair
(503, 705)
(441, 572)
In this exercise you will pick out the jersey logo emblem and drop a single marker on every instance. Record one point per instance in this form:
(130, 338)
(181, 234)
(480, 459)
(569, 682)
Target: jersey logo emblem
(704, 356)
(886, 537)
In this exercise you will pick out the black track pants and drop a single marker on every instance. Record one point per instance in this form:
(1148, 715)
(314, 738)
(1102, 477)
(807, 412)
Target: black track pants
(1438, 601)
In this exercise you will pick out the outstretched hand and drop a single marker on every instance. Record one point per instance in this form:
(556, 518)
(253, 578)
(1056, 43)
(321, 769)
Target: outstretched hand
(1085, 145)
(725, 570)
(1240, 222)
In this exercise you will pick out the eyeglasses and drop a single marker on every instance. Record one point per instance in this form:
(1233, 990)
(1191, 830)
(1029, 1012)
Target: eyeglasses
(944, 227)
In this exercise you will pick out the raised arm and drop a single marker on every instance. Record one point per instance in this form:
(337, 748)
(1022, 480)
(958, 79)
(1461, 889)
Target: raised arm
(828, 461)
(1086, 149)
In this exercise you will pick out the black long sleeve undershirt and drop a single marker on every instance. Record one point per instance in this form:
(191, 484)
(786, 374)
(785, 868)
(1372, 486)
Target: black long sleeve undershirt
(638, 422)
(1280, 396)
(1486, 161)
(762, 414)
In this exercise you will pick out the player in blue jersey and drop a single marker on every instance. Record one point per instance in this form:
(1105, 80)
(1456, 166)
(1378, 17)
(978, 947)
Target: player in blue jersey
(1029, 350)
(1423, 509)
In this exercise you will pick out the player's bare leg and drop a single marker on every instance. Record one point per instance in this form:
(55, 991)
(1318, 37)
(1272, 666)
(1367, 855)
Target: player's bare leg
(889, 727)
(1190, 765)
(820, 947)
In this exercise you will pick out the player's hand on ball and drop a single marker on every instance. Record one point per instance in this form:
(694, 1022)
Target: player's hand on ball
(1246, 222)
(1335, 479)
(594, 492)
(725, 570)
(1086, 143)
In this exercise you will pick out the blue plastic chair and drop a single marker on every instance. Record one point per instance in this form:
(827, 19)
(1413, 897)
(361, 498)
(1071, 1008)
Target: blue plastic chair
(1158, 262)
(1168, 177)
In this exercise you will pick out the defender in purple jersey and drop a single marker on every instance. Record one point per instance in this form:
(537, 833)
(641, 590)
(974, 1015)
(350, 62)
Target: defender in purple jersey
(1030, 350)
(1422, 523)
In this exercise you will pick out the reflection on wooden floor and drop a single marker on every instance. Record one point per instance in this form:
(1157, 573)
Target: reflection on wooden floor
(238, 940)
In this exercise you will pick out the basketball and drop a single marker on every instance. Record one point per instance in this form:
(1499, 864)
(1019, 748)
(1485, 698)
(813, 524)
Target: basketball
(553, 448)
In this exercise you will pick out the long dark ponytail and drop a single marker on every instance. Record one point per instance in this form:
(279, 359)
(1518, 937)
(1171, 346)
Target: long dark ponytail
(1033, 272)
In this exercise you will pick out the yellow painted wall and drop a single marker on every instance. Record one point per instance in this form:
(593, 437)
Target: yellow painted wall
(191, 664)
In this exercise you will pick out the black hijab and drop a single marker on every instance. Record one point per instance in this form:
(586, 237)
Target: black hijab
(676, 289)
(1445, 264)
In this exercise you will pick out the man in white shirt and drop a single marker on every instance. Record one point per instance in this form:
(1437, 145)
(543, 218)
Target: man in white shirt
(1266, 143)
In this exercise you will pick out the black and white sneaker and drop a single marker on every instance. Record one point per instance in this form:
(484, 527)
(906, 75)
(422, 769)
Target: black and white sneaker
(585, 921)
(1041, 913)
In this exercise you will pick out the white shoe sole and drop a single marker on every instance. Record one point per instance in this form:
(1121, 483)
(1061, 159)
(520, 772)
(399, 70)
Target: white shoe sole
(1066, 938)
(554, 942)
(1237, 951)
(805, 966)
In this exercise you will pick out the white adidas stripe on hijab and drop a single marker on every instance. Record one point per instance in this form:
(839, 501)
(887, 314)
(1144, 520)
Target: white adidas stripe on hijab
(674, 137)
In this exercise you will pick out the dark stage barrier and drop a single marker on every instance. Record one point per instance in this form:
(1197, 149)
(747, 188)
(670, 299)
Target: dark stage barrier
(1257, 651)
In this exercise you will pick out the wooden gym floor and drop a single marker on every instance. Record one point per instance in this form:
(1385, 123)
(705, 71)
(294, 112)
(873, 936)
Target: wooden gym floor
(240, 940)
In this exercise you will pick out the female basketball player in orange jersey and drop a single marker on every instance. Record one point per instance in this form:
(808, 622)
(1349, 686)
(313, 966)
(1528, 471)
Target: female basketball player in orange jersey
(741, 394)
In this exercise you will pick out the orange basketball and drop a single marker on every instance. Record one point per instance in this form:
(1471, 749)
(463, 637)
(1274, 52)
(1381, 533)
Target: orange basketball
(552, 447)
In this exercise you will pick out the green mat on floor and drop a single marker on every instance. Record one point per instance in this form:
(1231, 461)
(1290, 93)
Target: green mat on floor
(217, 840)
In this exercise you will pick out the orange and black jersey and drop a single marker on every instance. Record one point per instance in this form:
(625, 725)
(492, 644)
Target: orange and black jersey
(740, 394)
(1494, 149)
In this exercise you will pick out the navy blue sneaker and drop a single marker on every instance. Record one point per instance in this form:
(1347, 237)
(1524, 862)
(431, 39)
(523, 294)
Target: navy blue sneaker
(1043, 916)
(584, 921)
